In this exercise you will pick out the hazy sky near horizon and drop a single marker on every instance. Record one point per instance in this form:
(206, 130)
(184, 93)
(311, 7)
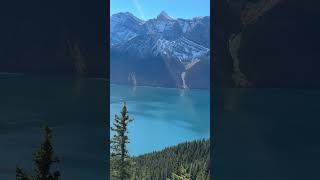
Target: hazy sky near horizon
(147, 9)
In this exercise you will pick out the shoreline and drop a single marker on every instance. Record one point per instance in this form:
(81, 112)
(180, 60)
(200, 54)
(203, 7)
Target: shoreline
(160, 87)
(171, 146)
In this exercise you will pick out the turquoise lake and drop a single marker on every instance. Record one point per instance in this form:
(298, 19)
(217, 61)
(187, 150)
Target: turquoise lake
(163, 117)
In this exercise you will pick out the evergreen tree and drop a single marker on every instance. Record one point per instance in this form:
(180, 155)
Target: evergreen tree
(119, 152)
(21, 175)
(182, 174)
(195, 156)
(134, 171)
(43, 159)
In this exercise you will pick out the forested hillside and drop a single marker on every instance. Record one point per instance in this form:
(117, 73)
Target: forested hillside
(194, 156)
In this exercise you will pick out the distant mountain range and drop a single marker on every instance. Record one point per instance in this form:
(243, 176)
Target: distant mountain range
(160, 52)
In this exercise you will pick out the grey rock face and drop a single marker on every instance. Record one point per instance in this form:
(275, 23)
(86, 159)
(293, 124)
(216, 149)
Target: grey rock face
(171, 47)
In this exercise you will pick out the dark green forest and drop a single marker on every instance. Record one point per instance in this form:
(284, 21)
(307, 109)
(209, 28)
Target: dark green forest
(194, 156)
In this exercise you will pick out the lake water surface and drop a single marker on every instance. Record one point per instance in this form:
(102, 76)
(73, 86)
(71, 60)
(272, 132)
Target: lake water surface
(258, 133)
(75, 108)
(162, 116)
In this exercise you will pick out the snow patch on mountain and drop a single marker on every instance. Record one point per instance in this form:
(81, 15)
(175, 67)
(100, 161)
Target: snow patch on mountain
(124, 26)
(124, 17)
(181, 49)
(175, 45)
(184, 24)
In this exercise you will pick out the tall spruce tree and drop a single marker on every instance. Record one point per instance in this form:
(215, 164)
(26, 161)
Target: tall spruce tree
(120, 159)
(21, 175)
(43, 159)
(182, 174)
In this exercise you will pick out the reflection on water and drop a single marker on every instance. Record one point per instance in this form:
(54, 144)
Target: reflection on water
(74, 108)
(266, 134)
(162, 116)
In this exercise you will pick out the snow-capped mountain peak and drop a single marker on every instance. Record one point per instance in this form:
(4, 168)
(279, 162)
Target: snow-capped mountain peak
(161, 51)
(182, 39)
(125, 16)
(124, 26)
(164, 16)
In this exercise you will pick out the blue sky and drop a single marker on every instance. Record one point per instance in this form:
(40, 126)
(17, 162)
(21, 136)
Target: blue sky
(146, 9)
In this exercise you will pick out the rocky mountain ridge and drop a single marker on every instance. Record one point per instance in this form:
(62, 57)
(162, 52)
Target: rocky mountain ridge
(170, 47)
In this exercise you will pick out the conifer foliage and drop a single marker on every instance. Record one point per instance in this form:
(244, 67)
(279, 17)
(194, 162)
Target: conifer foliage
(120, 159)
(182, 174)
(43, 159)
(186, 160)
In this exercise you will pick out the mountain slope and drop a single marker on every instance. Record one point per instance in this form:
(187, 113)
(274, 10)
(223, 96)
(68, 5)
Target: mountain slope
(159, 51)
(195, 156)
(124, 26)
